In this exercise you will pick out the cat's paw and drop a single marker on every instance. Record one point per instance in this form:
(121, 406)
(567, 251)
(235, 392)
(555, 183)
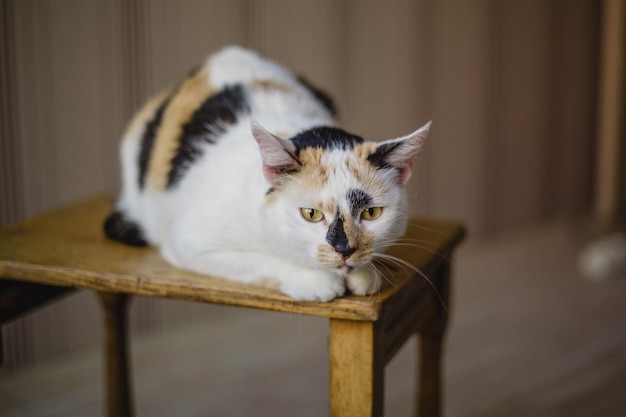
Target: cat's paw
(363, 281)
(315, 286)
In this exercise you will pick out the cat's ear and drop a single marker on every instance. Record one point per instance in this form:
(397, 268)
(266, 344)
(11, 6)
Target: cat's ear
(399, 153)
(279, 155)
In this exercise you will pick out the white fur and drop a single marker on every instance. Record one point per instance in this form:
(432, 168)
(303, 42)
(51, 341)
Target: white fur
(216, 221)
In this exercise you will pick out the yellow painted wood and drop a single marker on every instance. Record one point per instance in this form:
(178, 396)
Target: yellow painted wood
(356, 368)
(68, 248)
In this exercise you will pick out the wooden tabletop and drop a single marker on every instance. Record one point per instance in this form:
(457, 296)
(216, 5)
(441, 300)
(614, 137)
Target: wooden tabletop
(67, 248)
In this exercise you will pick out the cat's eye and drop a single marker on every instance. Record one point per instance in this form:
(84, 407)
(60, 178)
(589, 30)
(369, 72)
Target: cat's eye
(371, 213)
(312, 215)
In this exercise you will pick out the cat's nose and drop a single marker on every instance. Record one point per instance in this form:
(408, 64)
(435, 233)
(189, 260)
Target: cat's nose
(345, 251)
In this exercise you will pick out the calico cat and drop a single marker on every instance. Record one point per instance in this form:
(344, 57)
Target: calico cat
(240, 173)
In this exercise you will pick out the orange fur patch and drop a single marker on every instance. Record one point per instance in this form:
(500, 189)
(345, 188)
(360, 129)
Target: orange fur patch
(313, 171)
(271, 197)
(269, 85)
(329, 206)
(351, 229)
(363, 170)
(365, 246)
(365, 149)
(327, 255)
(360, 167)
(147, 112)
(191, 94)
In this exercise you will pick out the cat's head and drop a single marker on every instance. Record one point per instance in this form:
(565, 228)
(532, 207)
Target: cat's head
(334, 199)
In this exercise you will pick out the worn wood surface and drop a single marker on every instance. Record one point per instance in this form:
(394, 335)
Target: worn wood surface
(119, 402)
(429, 393)
(68, 248)
(356, 368)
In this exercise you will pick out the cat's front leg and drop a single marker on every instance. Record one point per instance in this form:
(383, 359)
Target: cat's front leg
(297, 281)
(313, 285)
(363, 281)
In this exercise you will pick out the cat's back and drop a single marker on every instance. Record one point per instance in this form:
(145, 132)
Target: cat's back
(237, 65)
(233, 86)
(277, 98)
(202, 127)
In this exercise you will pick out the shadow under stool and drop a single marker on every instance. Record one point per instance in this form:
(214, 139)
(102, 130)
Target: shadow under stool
(66, 249)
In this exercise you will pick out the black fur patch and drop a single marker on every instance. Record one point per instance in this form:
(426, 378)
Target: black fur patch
(319, 95)
(207, 124)
(337, 238)
(358, 201)
(378, 158)
(326, 138)
(147, 142)
(118, 227)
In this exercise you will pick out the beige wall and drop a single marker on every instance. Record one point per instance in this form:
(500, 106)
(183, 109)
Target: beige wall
(510, 85)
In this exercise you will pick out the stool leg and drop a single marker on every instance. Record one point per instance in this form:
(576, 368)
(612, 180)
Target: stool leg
(356, 368)
(115, 308)
(431, 336)
(429, 386)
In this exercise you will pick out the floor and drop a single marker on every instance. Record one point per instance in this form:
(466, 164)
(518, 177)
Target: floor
(529, 337)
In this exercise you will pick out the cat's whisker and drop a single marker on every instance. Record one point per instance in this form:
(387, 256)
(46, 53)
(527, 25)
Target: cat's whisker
(391, 268)
(383, 276)
(425, 241)
(406, 264)
(378, 284)
(393, 261)
(409, 243)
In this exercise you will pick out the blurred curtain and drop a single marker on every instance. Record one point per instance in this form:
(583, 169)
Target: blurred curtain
(510, 86)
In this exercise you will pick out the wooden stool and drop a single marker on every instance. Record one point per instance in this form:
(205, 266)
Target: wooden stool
(67, 248)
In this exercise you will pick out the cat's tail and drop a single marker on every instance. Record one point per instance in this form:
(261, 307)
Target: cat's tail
(118, 227)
